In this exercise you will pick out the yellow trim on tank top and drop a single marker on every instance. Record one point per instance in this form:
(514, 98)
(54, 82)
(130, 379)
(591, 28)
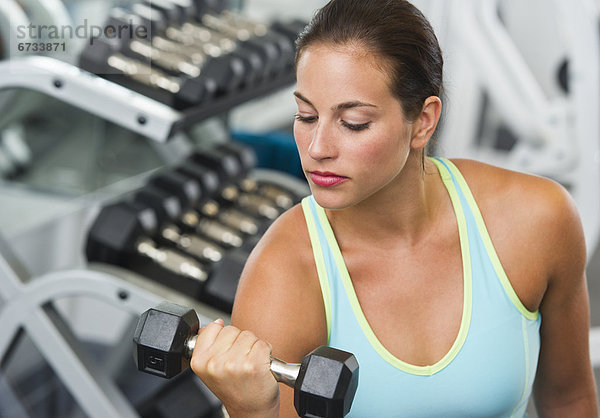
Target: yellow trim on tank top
(467, 284)
(489, 246)
(319, 261)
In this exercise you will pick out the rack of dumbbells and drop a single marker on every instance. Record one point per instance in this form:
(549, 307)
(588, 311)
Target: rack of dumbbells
(185, 234)
(192, 226)
(198, 59)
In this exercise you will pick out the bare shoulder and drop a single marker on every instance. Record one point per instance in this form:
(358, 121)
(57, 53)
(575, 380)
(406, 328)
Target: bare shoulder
(527, 211)
(279, 295)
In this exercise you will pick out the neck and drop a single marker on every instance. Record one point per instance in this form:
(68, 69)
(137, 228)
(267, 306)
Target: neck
(402, 213)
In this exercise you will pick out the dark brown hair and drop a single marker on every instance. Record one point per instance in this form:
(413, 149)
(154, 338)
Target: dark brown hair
(394, 30)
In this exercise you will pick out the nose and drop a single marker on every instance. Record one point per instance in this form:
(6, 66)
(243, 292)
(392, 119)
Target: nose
(323, 144)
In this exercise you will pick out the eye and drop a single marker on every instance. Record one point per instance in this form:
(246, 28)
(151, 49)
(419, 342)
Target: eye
(305, 119)
(356, 127)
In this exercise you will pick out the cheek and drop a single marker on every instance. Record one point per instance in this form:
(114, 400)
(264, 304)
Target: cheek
(302, 138)
(381, 154)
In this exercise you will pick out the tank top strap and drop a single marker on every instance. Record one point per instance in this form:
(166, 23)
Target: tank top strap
(448, 170)
(323, 255)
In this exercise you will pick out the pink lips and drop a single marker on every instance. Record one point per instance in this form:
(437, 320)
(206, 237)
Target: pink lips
(326, 179)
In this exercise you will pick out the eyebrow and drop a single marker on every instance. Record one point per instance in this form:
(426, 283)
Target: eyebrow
(341, 106)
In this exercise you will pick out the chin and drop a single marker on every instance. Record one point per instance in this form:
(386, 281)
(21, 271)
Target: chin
(331, 200)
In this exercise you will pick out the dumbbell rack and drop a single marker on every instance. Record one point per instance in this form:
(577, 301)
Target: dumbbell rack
(27, 305)
(115, 103)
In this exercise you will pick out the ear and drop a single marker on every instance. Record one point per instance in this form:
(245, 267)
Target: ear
(425, 124)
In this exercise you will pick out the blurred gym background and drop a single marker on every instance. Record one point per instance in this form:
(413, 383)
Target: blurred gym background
(113, 126)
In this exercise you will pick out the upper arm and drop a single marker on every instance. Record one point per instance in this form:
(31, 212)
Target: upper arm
(279, 295)
(564, 381)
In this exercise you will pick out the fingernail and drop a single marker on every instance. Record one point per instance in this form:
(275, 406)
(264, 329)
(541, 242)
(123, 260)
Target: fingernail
(219, 321)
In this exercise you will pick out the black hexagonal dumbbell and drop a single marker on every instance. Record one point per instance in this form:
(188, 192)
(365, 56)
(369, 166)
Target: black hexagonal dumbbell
(228, 226)
(222, 62)
(226, 61)
(105, 59)
(228, 214)
(134, 235)
(230, 172)
(122, 234)
(247, 159)
(324, 383)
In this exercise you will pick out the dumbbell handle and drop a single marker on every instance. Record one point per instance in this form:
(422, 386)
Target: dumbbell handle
(285, 373)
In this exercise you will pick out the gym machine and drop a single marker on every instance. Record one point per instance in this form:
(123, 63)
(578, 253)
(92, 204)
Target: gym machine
(520, 97)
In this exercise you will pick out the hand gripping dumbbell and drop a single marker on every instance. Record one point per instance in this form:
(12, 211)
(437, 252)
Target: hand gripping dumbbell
(324, 383)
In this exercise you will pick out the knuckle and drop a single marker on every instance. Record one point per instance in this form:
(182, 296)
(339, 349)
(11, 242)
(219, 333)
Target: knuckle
(198, 364)
(247, 334)
(213, 366)
(231, 329)
(263, 346)
(249, 368)
(230, 368)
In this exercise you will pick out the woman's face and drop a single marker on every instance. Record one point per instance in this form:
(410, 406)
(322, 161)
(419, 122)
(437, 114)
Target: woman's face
(350, 131)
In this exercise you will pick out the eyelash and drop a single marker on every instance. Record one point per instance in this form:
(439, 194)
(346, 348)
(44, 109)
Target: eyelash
(352, 127)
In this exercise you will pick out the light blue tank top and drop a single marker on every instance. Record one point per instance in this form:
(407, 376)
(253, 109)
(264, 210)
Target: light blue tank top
(489, 369)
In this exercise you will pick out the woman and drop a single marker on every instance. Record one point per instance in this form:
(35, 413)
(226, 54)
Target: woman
(456, 284)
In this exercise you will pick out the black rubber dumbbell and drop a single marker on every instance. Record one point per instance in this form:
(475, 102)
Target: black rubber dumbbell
(128, 234)
(275, 50)
(246, 157)
(175, 198)
(324, 383)
(224, 266)
(230, 172)
(227, 70)
(220, 70)
(104, 59)
(229, 66)
(122, 235)
(167, 210)
(187, 10)
(265, 33)
(227, 214)
(225, 225)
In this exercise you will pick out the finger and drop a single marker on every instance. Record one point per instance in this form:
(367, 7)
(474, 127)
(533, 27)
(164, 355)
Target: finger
(243, 344)
(225, 340)
(263, 347)
(207, 335)
(261, 351)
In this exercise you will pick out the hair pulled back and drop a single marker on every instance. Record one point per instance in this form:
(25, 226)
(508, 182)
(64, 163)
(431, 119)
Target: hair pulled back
(394, 30)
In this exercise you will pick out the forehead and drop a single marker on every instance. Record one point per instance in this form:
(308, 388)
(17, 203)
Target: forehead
(338, 73)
